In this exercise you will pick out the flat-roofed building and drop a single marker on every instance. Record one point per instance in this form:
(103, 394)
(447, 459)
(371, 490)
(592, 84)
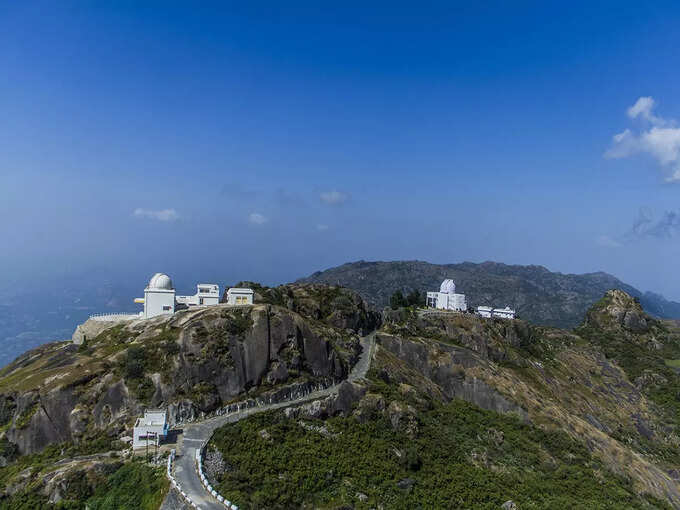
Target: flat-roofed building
(504, 313)
(150, 429)
(485, 311)
(206, 294)
(240, 296)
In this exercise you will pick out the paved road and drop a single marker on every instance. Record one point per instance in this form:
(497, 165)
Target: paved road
(196, 433)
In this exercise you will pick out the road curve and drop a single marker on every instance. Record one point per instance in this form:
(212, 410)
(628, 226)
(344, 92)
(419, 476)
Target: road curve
(195, 434)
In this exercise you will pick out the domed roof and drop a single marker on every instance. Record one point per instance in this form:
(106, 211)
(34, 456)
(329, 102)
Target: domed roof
(448, 287)
(160, 281)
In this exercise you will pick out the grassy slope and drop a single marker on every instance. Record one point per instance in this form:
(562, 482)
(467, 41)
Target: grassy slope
(462, 457)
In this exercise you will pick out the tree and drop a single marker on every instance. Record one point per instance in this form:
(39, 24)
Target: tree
(415, 298)
(398, 300)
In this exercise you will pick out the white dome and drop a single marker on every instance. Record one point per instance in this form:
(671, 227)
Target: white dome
(448, 287)
(160, 281)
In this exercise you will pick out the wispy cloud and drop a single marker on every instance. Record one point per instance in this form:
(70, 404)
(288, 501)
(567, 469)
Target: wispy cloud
(659, 138)
(333, 197)
(643, 108)
(257, 219)
(647, 226)
(608, 242)
(159, 215)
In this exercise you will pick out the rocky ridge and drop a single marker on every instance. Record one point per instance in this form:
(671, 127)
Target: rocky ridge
(539, 295)
(191, 362)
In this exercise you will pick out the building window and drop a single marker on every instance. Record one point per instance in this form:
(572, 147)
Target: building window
(166, 308)
(200, 301)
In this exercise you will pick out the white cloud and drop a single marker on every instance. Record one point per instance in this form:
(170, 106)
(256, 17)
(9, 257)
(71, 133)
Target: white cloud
(321, 227)
(257, 219)
(607, 242)
(661, 139)
(643, 108)
(334, 197)
(160, 215)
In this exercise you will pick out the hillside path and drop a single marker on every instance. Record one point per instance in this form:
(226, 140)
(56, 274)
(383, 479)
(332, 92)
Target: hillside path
(195, 434)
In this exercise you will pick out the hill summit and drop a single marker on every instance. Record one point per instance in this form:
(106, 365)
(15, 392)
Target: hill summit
(539, 295)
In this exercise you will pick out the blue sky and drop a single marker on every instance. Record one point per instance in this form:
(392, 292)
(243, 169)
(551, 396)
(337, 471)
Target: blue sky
(253, 141)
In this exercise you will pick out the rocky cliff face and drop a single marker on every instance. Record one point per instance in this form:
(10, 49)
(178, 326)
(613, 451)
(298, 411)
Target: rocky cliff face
(192, 362)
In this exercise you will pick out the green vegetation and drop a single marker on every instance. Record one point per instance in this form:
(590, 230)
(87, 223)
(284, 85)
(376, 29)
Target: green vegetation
(54, 452)
(652, 366)
(155, 354)
(238, 322)
(116, 486)
(462, 457)
(135, 486)
(414, 298)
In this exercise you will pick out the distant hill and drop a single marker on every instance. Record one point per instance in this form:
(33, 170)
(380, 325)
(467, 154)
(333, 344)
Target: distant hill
(539, 295)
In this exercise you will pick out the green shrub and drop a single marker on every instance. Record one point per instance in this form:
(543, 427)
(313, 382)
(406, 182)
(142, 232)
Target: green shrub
(463, 457)
(135, 486)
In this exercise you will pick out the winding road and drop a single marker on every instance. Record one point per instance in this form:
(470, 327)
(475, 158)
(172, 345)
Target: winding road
(195, 434)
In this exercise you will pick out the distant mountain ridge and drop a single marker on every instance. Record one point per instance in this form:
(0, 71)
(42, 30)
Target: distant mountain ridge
(538, 294)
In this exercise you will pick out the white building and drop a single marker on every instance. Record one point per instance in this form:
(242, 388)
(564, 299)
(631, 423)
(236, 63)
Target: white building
(159, 296)
(150, 429)
(206, 294)
(504, 313)
(239, 296)
(446, 298)
(485, 311)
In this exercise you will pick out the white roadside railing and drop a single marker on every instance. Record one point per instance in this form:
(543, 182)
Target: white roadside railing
(117, 316)
(174, 482)
(199, 467)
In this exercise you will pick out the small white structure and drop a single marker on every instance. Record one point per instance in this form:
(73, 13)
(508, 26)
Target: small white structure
(446, 298)
(206, 294)
(150, 429)
(159, 296)
(485, 311)
(504, 313)
(239, 296)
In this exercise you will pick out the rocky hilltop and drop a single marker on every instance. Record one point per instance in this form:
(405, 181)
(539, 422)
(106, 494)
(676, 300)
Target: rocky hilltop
(192, 362)
(539, 295)
(456, 411)
(464, 412)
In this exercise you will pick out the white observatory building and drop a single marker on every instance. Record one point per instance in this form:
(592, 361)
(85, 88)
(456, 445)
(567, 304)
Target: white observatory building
(446, 298)
(159, 296)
